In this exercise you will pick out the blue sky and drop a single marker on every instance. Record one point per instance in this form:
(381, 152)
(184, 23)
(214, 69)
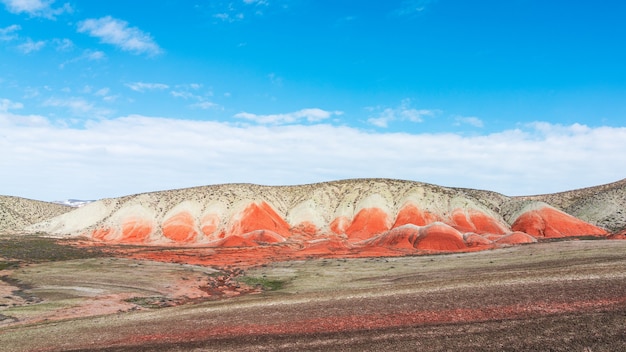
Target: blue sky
(107, 98)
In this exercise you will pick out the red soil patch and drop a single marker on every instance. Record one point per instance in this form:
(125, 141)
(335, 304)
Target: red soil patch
(440, 237)
(618, 236)
(262, 237)
(209, 224)
(237, 241)
(403, 237)
(472, 220)
(476, 240)
(101, 234)
(411, 214)
(325, 246)
(305, 229)
(552, 223)
(516, 238)
(340, 225)
(180, 228)
(367, 223)
(136, 230)
(260, 217)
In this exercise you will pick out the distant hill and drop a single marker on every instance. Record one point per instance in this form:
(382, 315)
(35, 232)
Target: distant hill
(17, 213)
(351, 213)
(76, 203)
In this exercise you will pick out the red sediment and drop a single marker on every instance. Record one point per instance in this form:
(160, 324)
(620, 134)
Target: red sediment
(236, 241)
(209, 224)
(260, 217)
(340, 225)
(136, 230)
(180, 227)
(305, 228)
(476, 240)
(263, 237)
(403, 237)
(411, 214)
(367, 223)
(516, 238)
(326, 246)
(618, 236)
(440, 237)
(472, 220)
(552, 223)
(101, 234)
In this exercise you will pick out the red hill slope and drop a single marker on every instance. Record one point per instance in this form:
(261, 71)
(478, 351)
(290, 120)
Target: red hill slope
(351, 216)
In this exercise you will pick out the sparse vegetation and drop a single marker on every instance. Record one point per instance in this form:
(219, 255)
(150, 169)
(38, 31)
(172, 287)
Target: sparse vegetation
(8, 265)
(265, 283)
(36, 249)
(151, 302)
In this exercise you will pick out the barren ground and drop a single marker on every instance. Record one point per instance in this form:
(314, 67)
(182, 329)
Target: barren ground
(561, 296)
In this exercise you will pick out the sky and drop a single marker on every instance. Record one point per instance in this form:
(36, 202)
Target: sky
(109, 98)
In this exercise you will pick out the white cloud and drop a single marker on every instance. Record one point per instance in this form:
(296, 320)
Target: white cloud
(9, 33)
(404, 112)
(31, 46)
(36, 8)
(6, 105)
(102, 92)
(78, 107)
(116, 32)
(144, 86)
(134, 154)
(309, 115)
(469, 120)
(204, 105)
(184, 95)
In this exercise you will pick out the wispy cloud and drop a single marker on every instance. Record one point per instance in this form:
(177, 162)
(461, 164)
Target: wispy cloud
(117, 32)
(9, 33)
(410, 7)
(31, 46)
(78, 107)
(88, 55)
(468, 120)
(233, 11)
(275, 79)
(63, 44)
(205, 105)
(145, 86)
(37, 8)
(134, 154)
(308, 115)
(404, 112)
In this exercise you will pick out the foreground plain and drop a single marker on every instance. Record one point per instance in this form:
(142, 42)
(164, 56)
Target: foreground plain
(559, 296)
